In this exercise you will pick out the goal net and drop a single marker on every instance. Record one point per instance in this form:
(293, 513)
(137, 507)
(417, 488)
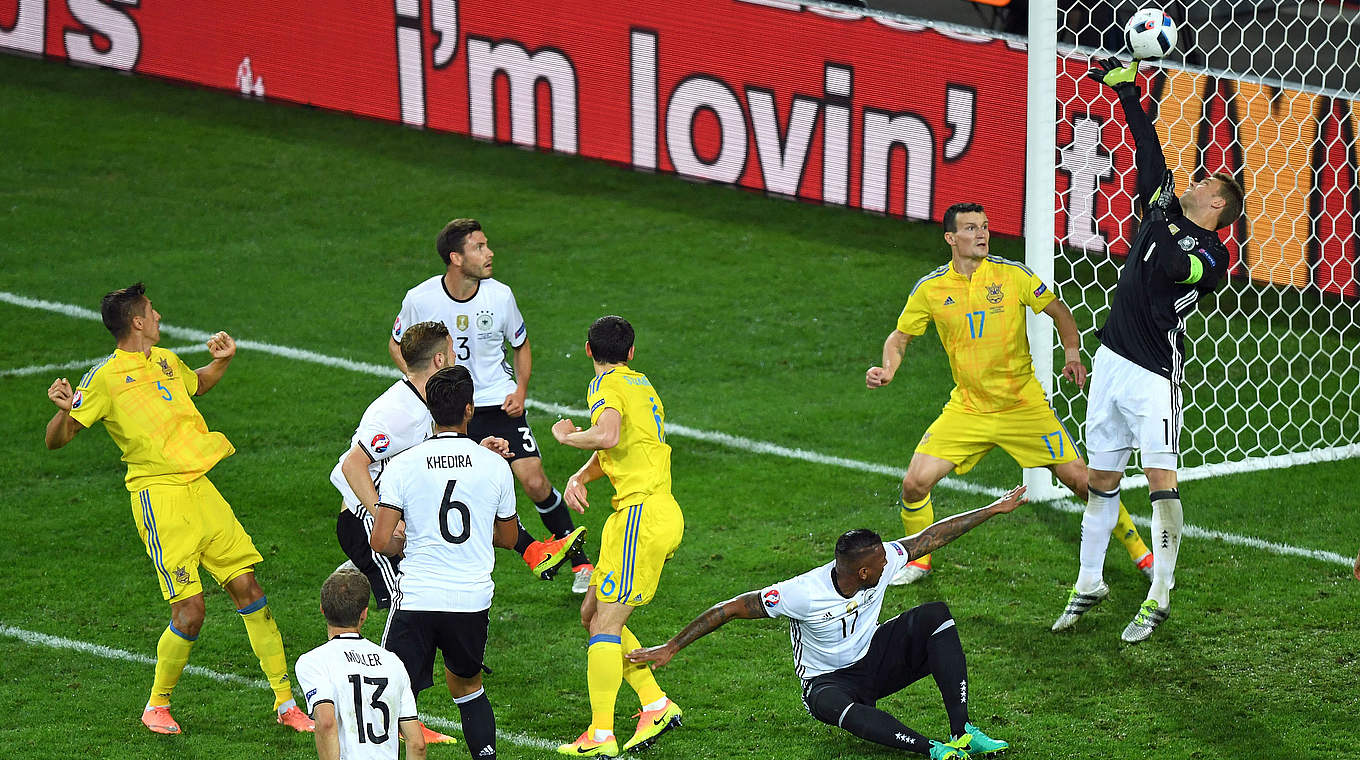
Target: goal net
(1266, 92)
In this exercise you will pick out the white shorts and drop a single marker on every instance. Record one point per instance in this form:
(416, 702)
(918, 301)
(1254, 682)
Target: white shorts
(1131, 408)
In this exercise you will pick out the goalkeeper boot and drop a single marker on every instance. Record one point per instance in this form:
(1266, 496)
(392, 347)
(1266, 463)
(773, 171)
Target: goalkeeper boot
(1149, 616)
(982, 744)
(159, 721)
(955, 749)
(585, 746)
(1077, 605)
(910, 573)
(652, 724)
(544, 557)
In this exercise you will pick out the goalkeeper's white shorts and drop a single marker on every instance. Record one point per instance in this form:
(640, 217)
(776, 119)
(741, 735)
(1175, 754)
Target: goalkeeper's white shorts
(1131, 408)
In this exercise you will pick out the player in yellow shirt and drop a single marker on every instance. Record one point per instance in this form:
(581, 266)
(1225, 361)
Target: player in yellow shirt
(977, 302)
(627, 436)
(143, 395)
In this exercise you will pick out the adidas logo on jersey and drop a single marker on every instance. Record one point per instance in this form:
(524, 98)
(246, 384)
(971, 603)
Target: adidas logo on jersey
(487, 751)
(949, 301)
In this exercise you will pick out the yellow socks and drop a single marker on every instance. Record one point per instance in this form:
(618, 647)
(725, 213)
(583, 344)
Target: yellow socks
(172, 653)
(637, 674)
(268, 646)
(916, 517)
(1127, 533)
(604, 674)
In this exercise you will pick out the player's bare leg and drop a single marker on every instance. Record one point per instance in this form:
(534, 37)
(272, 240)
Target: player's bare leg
(1073, 475)
(917, 509)
(1167, 521)
(479, 723)
(253, 607)
(172, 654)
(552, 510)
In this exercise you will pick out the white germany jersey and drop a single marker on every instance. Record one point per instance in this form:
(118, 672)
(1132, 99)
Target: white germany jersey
(829, 631)
(451, 492)
(393, 423)
(480, 327)
(369, 688)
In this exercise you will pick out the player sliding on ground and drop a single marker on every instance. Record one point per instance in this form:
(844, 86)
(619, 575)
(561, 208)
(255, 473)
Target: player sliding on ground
(1175, 260)
(847, 661)
(978, 303)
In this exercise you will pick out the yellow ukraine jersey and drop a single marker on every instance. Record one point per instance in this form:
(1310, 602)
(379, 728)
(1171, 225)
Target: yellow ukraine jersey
(981, 322)
(147, 407)
(640, 463)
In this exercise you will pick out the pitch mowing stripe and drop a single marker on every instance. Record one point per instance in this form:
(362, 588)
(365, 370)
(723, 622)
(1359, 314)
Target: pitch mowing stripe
(1063, 504)
(34, 638)
(42, 369)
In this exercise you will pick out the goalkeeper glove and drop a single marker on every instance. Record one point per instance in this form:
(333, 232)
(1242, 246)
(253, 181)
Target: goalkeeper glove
(1111, 73)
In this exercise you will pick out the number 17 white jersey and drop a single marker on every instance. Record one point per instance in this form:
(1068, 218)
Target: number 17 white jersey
(451, 492)
(369, 689)
(829, 631)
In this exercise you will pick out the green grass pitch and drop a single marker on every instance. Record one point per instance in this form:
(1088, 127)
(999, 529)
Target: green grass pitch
(755, 317)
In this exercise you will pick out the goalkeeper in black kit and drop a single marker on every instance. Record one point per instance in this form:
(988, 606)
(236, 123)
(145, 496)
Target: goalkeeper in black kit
(1176, 259)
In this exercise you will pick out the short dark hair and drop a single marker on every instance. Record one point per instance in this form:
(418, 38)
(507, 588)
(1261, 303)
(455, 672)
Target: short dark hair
(344, 597)
(451, 238)
(120, 306)
(854, 544)
(448, 393)
(610, 338)
(1230, 190)
(951, 214)
(422, 341)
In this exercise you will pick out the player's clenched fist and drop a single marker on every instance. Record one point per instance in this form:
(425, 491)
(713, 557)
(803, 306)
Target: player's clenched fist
(60, 394)
(877, 377)
(221, 346)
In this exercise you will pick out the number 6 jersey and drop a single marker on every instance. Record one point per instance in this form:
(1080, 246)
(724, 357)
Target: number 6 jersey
(829, 631)
(450, 491)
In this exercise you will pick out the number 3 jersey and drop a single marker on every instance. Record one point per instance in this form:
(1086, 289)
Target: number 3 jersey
(450, 491)
(480, 328)
(829, 631)
(369, 689)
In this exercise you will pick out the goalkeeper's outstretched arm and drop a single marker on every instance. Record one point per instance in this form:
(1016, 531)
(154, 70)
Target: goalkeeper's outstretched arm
(1155, 183)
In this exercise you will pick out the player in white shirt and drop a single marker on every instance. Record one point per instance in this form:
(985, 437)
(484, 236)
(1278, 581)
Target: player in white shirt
(393, 423)
(357, 692)
(458, 501)
(482, 317)
(846, 660)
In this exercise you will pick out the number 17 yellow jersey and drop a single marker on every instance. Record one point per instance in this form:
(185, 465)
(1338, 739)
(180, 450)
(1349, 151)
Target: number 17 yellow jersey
(981, 322)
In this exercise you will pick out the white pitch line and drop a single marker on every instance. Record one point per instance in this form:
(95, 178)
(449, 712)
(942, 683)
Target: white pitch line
(755, 446)
(109, 653)
(42, 369)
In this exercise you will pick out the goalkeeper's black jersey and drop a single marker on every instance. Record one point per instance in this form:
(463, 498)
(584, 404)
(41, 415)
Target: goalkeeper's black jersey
(1159, 284)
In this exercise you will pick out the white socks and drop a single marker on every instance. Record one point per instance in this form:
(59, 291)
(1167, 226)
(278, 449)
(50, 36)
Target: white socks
(1167, 519)
(1102, 512)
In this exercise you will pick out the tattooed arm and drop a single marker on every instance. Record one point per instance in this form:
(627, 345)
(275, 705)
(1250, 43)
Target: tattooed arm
(744, 607)
(950, 528)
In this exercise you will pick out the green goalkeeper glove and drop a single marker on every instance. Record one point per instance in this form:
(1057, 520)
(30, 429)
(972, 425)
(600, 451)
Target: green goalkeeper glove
(1111, 73)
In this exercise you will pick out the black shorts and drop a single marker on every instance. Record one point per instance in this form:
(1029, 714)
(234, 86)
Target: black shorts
(492, 420)
(896, 659)
(381, 570)
(414, 635)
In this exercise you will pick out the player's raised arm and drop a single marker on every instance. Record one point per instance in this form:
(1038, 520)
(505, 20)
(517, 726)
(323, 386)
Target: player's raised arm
(62, 427)
(894, 348)
(745, 607)
(222, 348)
(1154, 181)
(604, 434)
(950, 528)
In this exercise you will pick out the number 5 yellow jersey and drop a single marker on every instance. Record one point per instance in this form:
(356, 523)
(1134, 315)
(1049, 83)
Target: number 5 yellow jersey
(640, 463)
(981, 322)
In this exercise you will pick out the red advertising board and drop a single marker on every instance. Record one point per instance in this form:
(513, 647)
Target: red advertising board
(824, 105)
